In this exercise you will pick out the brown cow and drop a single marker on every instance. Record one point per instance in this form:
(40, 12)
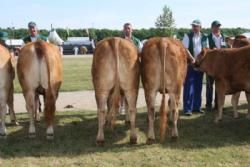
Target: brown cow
(239, 41)
(164, 68)
(39, 70)
(7, 74)
(115, 70)
(231, 70)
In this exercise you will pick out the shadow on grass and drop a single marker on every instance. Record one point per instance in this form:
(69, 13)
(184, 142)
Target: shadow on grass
(75, 134)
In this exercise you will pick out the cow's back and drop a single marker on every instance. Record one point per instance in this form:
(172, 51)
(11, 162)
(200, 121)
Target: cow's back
(175, 63)
(37, 62)
(111, 56)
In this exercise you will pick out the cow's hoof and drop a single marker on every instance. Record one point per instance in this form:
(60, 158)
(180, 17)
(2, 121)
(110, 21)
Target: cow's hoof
(14, 123)
(32, 135)
(50, 136)
(3, 136)
(100, 143)
(150, 141)
(133, 140)
(217, 120)
(174, 138)
(127, 123)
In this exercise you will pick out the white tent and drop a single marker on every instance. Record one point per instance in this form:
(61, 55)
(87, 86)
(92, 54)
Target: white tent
(55, 38)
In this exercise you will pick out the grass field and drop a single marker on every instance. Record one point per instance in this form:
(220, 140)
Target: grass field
(76, 74)
(201, 143)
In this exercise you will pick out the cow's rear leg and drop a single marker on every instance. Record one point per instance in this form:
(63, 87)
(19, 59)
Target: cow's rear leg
(127, 116)
(235, 101)
(49, 113)
(11, 106)
(131, 98)
(101, 100)
(31, 106)
(221, 100)
(173, 106)
(150, 100)
(248, 105)
(3, 110)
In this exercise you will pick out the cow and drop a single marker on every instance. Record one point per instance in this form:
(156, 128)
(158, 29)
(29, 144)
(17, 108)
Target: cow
(237, 42)
(7, 74)
(231, 70)
(39, 70)
(115, 71)
(163, 69)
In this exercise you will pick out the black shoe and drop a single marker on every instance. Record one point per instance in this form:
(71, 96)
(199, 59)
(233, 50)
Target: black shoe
(198, 111)
(209, 109)
(188, 113)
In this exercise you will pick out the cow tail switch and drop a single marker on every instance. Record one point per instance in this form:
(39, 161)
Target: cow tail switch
(163, 114)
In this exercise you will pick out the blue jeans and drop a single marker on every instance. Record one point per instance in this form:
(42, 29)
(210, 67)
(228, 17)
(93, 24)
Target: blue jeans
(192, 90)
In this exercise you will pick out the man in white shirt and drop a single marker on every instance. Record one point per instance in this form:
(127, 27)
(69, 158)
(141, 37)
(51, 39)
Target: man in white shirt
(216, 40)
(194, 42)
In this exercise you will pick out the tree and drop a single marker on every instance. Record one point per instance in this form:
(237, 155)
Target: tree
(166, 21)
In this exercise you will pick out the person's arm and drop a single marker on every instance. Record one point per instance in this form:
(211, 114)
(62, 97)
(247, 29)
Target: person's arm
(185, 42)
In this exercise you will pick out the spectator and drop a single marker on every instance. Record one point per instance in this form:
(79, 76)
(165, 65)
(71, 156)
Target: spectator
(194, 42)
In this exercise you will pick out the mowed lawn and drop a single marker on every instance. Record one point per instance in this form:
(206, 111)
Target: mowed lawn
(201, 142)
(76, 74)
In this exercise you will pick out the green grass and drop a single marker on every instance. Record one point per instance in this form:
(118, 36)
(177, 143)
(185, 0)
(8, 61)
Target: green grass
(76, 75)
(201, 143)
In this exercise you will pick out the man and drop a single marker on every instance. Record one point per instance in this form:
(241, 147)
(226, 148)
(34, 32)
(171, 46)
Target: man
(216, 40)
(127, 34)
(33, 34)
(194, 42)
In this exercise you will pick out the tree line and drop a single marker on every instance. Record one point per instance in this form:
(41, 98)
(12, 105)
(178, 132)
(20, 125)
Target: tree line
(99, 34)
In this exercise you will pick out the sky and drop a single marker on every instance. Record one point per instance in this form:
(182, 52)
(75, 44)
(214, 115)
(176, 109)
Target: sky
(112, 14)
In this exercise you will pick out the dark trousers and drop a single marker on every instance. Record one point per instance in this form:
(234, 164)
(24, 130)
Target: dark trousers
(210, 92)
(192, 90)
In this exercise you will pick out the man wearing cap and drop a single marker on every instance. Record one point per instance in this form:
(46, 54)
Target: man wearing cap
(216, 40)
(127, 34)
(194, 42)
(33, 34)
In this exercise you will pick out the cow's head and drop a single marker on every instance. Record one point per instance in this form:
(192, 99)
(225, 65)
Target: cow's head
(240, 41)
(200, 58)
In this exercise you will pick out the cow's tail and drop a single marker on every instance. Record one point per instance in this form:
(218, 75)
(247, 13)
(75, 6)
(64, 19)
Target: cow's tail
(115, 95)
(163, 114)
(41, 52)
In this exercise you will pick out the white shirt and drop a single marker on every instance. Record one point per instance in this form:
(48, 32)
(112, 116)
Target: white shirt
(218, 40)
(196, 43)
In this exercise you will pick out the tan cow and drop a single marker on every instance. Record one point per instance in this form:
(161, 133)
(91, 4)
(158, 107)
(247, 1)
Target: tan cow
(39, 69)
(231, 70)
(7, 74)
(237, 42)
(164, 68)
(115, 70)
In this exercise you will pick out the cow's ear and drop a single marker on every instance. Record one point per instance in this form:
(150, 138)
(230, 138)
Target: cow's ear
(204, 51)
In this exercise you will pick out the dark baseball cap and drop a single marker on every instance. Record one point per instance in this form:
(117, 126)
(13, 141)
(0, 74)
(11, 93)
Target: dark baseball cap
(31, 24)
(216, 23)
